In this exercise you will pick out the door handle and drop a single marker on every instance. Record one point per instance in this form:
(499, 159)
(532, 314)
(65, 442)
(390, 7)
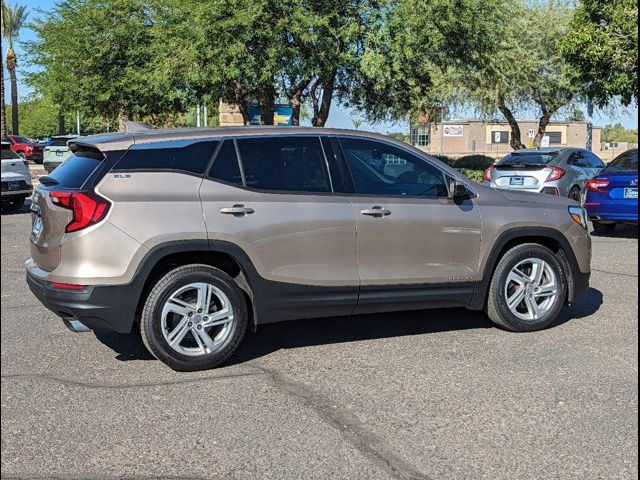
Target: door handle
(239, 210)
(376, 212)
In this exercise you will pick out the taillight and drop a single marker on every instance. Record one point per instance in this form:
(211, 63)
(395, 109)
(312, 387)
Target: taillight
(556, 174)
(599, 186)
(487, 173)
(88, 208)
(67, 286)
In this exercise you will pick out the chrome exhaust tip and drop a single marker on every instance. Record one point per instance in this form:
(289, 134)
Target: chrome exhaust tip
(75, 325)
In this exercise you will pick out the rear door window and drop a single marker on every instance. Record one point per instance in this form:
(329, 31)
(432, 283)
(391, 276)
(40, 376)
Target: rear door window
(174, 156)
(287, 164)
(225, 166)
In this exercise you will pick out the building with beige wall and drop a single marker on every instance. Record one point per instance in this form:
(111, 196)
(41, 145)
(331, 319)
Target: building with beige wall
(457, 138)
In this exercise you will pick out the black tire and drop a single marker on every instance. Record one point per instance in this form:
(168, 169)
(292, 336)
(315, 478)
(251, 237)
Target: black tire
(604, 228)
(497, 309)
(151, 326)
(575, 194)
(12, 205)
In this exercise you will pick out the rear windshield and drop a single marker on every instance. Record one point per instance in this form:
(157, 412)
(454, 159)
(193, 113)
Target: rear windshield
(8, 154)
(627, 162)
(75, 171)
(59, 142)
(529, 158)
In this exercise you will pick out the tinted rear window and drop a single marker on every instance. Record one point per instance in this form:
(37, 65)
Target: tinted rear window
(627, 162)
(59, 142)
(75, 171)
(181, 156)
(533, 158)
(7, 153)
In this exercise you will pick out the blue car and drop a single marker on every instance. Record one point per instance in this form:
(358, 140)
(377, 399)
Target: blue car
(612, 196)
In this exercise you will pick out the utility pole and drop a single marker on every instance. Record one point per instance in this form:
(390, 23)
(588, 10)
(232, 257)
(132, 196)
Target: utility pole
(78, 121)
(206, 119)
(198, 116)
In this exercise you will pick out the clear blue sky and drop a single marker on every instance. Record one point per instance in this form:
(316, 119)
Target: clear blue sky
(339, 117)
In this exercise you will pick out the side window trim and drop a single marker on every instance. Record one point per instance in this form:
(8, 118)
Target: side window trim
(326, 165)
(243, 176)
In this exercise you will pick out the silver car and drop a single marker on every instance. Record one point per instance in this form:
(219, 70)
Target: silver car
(16, 179)
(556, 171)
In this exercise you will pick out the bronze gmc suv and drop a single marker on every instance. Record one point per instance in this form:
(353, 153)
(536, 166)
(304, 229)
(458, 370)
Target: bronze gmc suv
(195, 235)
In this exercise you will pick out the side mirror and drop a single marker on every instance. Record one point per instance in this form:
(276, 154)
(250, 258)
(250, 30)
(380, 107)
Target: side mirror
(459, 190)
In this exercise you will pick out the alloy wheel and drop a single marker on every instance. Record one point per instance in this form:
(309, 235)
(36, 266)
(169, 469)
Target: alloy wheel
(197, 319)
(531, 289)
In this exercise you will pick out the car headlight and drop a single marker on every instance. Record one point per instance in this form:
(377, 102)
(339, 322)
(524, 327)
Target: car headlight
(579, 216)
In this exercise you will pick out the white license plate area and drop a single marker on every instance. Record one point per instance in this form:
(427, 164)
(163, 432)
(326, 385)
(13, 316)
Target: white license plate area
(516, 181)
(58, 153)
(630, 193)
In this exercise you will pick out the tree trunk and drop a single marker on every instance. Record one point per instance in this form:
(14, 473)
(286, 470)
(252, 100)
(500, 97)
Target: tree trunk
(322, 105)
(542, 127)
(11, 67)
(3, 114)
(122, 118)
(516, 134)
(296, 100)
(61, 126)
(267, 105)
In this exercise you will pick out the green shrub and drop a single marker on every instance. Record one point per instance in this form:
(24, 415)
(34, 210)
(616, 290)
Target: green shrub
(475, 175)
(473, 162)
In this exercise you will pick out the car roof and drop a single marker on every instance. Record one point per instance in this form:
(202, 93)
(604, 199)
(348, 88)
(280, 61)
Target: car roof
(121, 141)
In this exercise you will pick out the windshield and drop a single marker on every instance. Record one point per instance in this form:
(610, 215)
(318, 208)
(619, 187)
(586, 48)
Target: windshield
(627, 162)
(528, 158)
(21, 140)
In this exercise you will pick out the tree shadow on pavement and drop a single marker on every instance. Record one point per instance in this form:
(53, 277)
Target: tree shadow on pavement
(322, 331)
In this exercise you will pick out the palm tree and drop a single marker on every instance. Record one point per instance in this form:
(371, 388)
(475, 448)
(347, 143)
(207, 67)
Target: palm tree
(13, 19)
(3, 115)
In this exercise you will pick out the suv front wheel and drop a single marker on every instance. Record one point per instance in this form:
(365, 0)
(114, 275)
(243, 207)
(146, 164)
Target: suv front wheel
(194, 318)
(528, 289)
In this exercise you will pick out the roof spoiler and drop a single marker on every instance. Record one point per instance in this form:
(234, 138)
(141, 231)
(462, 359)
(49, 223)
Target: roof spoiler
(132, 127)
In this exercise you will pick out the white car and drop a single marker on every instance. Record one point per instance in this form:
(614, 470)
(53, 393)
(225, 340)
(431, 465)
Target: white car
(16, 179)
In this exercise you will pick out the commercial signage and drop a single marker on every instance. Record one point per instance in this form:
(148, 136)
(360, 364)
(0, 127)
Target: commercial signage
(453, 130)
(282, 115)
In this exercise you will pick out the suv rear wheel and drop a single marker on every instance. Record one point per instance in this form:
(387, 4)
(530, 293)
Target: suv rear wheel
(194, 318)
(528, 289)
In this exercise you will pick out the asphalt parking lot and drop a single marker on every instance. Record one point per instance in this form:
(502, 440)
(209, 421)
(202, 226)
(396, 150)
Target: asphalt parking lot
(421, 395)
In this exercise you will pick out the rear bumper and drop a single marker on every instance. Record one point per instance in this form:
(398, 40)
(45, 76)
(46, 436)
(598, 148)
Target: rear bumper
(99, 307)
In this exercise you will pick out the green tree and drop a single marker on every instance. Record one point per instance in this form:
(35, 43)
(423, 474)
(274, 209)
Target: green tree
(96, 56)
(262, 52)
(602, 44)
(617, 133)
(499, 57)
(13, 19)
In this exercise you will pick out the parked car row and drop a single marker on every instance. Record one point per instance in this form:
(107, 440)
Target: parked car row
(609, 192)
